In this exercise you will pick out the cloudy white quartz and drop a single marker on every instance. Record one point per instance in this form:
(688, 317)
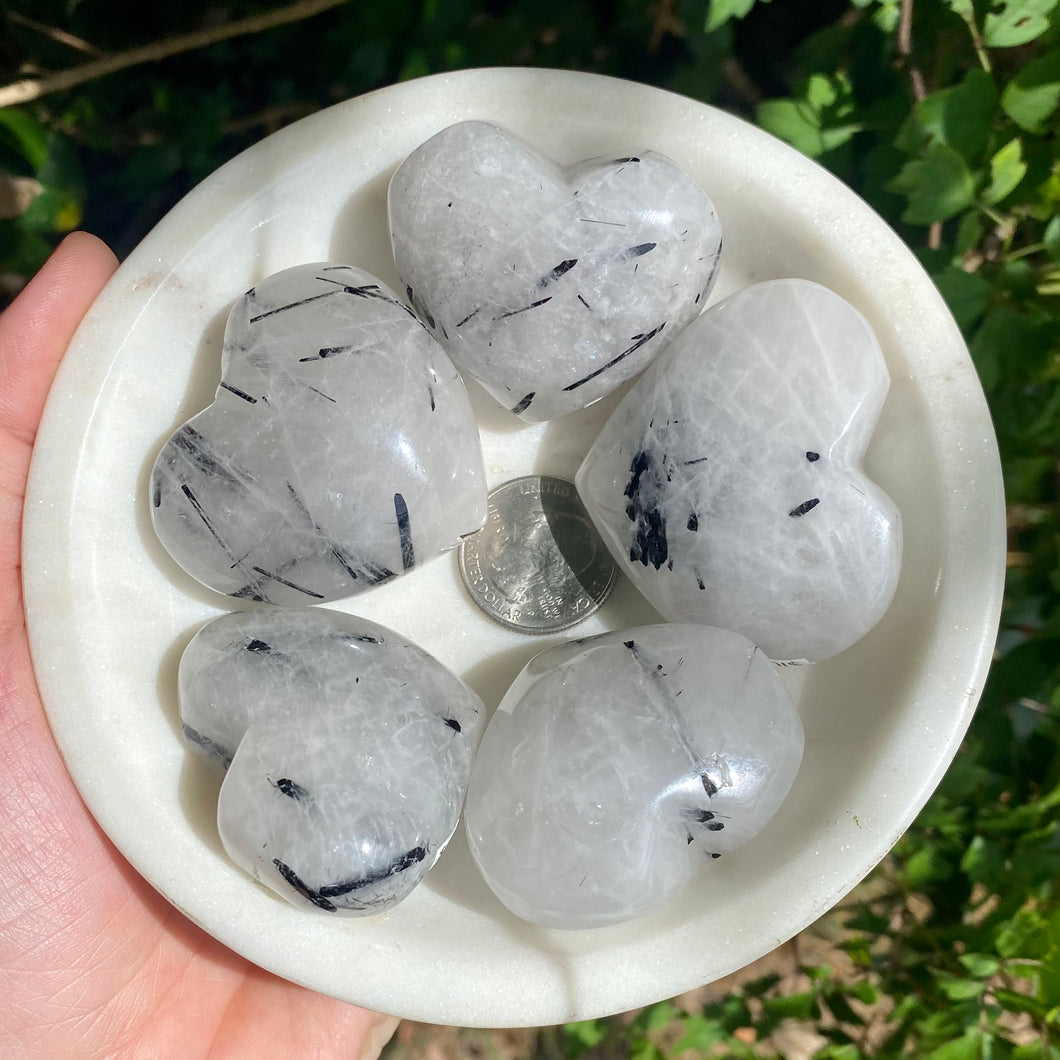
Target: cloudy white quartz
(551, 285)
(619, 766)
(728, 482)
(347, 748)
(340, 450)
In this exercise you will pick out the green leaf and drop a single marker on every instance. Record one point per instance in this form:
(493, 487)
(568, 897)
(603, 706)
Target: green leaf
(644, 1050)
(840, 1007)
(1007, 169)
(1049, 979)
(864, 991)
(699, 1034)
(1036, 1050)
(941, 1025)
(955, 988)
(984, 863)
(1034, 93)
(927, 865)
(1014, 1001)
(887, 16)
(1004, 331)
(1025, 935)
(659, 1015)
(967, 1047)
(720, 11)
(859, 950)
(54, 210)
(959, 116)
(981, 965)
(906, 1008)
(793, 1006)
(760, 986)
(23, 252)
(818, 121)
(864, 919)
(1051, 238)
(1018, 22)
(582, 1036)
(937, 185)
(846, 1051)
(969, 232)
(966, 294)
(24, 135)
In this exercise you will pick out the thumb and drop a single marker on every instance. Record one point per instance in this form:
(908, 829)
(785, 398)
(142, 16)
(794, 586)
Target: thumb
(36, 329)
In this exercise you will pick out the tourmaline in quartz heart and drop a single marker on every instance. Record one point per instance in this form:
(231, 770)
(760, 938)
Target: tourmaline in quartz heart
(616, 767)
(728, 482)
(551, 285)
(340, 450)
(348, 752)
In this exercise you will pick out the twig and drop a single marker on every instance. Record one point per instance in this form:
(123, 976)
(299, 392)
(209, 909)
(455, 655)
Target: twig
(665, 23)
(55, 34)
(916, 82)
(905, 50)
(740, 82)
(272, 118)
(24, 91)
(977, 38)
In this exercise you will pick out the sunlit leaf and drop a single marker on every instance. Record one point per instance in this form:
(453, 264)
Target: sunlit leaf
(1007, 169)
(1018, 22)
(1034, 92)
(1025, 935)
(938, 185)
(720, 11)
(801, 1006)
(699, 1034)
(23, 134)
(967, 1047)
(959, 116)
(957, 989)
(981, 965)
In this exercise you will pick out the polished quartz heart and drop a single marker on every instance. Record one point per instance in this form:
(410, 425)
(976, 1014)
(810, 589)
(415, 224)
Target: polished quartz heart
(347, 749)
(728, 482)
(340, 450)
(550, 285)
(618, 766)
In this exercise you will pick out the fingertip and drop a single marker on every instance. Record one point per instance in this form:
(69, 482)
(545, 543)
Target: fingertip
(85, 256)
(84, 243)
(38, 326)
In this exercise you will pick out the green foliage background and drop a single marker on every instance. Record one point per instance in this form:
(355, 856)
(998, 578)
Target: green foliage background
(944, 116)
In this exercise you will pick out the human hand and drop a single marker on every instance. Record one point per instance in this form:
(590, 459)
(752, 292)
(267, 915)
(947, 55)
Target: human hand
(93, 962)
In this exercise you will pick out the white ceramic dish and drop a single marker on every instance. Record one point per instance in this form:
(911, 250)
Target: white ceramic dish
(109, 612)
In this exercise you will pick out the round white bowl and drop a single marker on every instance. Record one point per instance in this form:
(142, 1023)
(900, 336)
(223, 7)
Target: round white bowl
(109, 612)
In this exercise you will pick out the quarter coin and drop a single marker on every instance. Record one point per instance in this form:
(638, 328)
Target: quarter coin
(538, 565)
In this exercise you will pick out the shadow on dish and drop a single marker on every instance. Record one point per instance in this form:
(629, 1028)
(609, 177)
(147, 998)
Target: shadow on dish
(361, 234)
(493, 676)
(166, 688)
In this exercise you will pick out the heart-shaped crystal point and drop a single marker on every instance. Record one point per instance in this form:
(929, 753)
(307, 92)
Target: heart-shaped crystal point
(347, 748)
(550, 285)
(340, 450)
(618, 766)
(728, 482)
